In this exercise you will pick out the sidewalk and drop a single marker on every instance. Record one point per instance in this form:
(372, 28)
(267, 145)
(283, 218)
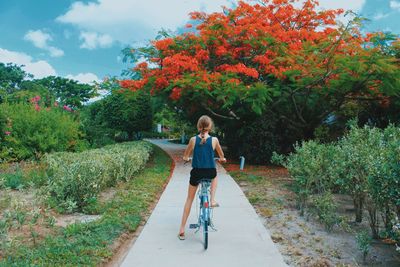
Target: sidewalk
(241, 239)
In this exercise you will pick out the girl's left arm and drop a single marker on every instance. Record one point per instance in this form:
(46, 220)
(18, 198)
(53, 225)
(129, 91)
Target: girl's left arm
(189, 149)
(219, 151)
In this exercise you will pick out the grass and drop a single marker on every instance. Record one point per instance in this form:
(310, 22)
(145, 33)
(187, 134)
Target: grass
(89, 244)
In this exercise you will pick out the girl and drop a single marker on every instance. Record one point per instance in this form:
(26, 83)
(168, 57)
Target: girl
(202, 146)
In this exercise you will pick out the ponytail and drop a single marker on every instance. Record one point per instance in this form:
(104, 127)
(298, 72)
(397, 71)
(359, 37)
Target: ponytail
(203, 138)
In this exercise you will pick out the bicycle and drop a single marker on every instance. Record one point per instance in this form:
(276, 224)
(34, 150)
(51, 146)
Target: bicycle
(205, 211)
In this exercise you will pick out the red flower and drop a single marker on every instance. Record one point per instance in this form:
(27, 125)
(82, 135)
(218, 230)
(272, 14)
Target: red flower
(221, 50)
(240, 68)
(65, 107)
(176, 93)
(161, 82)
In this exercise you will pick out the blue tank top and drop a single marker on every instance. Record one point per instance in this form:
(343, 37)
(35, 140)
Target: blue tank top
(203, 154)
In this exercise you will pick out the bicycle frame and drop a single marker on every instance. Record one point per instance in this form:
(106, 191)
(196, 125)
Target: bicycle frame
(204, 215)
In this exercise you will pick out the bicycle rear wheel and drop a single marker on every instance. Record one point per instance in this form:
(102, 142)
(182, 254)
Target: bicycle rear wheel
(205, 231)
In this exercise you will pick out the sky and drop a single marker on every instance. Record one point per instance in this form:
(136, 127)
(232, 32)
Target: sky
(82, 40)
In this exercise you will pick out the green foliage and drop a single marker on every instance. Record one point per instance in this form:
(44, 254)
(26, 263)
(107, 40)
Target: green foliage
(173, 119)
(12, 180)
(75, 179)
(68, 92)
(364, 243)
(90, 244)
(364, 164)
(11, 76)
(31, 133)
(325, 208)
(256, 141)
(15, 88)
(118, 117)
(310, 166)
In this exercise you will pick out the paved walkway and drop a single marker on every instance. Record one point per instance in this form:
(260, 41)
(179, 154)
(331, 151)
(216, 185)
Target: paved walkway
(241, 239)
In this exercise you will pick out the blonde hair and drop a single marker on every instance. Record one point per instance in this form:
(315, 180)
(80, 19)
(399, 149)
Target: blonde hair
(204, 124)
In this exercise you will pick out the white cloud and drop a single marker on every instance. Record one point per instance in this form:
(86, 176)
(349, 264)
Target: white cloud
(92, 40)
(380, 15)
(39, 68)
(134, 20)
(104, 21)
(395, 5)
(355, 5)
(88, 77)
(40, 39)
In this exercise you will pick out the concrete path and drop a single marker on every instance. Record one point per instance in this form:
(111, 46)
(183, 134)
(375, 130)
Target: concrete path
(241, 239)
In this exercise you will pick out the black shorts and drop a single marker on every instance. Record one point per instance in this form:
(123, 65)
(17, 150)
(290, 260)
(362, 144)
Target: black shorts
(196, 174)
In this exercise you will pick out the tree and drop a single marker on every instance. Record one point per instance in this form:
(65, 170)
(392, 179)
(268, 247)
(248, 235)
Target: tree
(119, 116)
(271, 59)
(68, 92)
(11, 76)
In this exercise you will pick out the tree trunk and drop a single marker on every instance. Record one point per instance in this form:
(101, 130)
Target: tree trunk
(373, 221)
(358, 208)
(387, 218)
(398, 211)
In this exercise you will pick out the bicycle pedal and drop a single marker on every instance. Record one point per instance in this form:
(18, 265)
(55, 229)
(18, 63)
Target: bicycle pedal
(193, 226)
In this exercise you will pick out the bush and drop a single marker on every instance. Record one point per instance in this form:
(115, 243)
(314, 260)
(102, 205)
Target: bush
(364, 243)
(12, 180)
(310, 167)
(364, 164)
(325, 208)
(32, 132)
(75, 179)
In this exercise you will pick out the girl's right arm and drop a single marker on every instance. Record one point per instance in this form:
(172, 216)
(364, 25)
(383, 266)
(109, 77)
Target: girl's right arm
(189, 149)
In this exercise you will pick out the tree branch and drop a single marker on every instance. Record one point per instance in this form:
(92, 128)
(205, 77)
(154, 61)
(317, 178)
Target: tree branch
(222, 116)
(297, 109)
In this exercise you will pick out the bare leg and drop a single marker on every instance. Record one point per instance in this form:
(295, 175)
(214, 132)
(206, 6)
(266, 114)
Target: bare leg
(186, 211)
(213, 189)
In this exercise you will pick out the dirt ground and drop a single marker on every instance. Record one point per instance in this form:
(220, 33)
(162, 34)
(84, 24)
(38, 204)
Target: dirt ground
(302, 240)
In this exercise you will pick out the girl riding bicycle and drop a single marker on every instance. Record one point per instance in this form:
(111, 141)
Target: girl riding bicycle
(202, 146)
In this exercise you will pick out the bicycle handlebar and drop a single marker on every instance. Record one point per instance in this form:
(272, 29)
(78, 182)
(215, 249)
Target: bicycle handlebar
(190, 159)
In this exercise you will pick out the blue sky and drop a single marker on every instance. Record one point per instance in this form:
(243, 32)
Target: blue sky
(83, 39)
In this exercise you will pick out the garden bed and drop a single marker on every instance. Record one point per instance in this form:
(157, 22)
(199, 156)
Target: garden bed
(303, 241)
(39, 235)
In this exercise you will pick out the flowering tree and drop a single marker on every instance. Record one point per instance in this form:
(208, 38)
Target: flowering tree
(298, 65)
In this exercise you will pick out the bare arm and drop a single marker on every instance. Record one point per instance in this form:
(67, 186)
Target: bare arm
(189, 149)
(218, 148)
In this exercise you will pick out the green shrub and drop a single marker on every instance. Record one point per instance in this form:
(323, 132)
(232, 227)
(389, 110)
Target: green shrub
(365, 164)
(75, 179)
(364, 243)
(12, 180)
(31, 133)
(325, 208)
(310, 167)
